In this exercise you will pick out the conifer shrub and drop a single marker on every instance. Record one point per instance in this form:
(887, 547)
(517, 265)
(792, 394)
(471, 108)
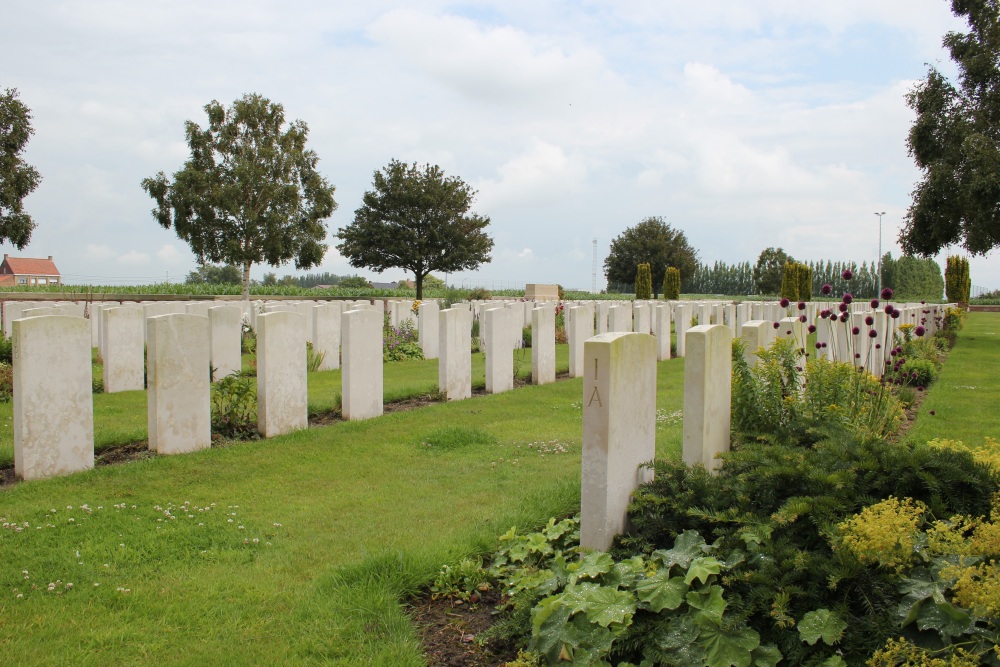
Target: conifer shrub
(672, 283)
(643, 282)
(957, 283)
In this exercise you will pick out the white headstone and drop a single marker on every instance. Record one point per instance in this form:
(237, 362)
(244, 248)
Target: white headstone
(579, 327)
(326, 334)
(455, 350)
(179, 402)
(543, 345)
(642, 317)
(282, 396)
(428, 331)
(708, 368)
(497, 324)
(225, 335)
(661, 315)
(123, 350)
(619, 431)
(53, 396)
(682, 322)
(361, 375)
(755, 335)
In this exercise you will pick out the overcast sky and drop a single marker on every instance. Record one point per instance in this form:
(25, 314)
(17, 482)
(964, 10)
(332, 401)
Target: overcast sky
(743, 124)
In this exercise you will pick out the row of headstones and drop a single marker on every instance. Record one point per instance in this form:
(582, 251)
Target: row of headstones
(53, 406)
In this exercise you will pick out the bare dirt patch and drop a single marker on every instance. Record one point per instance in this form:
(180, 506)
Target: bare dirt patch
(450, 632)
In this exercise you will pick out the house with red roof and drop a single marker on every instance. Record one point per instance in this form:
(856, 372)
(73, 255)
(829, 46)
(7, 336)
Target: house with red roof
(28, 271)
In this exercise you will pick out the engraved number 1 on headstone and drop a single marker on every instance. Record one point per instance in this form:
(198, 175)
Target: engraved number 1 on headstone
(595, 396)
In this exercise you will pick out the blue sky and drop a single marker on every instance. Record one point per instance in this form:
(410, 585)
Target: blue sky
(746, 125)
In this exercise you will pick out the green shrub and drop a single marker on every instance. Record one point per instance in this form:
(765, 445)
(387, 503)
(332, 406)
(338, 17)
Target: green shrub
(957, 283)
(6, 349)
(672, 283)
(526, 336)
(399, 343)
(479, 294)
(234, 407)
(6, 382)
(917, 372)
(643, 282)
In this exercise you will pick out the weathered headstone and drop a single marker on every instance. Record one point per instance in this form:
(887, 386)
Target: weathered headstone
(641, 317)
(123, 349)
(361, 375)
(579, 327)
(619, 431)
(661, 316)
(428, 330)
(682, 322)
(53, 396)
(326, 334)
(179, 402)
(455, 350)
(225, 333)
(282, 398)
(543, 346)
(755, 335)
(499, 352)
(708, 370)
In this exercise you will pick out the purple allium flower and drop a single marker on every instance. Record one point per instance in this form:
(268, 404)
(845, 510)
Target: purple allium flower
(893, 353)
(895, 314)
(812, 328)
(878, 346)
(932, 413)
(844, 317)
(855, 330)
(826, 288)
(848, 297)
(920, 388)
(847, 274)
(869, 320)
(842, 307)
(788, 333)
(873, 334)
(857, 355)
(920, 331)
(802, 318)
(922, 302)
(802, 305)
(819, 346)
(784, 302)
(824, 346)
(889, 309)
(887, 293)
(777, 324)
(874, 303)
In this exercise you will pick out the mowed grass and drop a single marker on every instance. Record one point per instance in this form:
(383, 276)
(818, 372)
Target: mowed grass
(294, 550)
(966, 397)
(120, 418)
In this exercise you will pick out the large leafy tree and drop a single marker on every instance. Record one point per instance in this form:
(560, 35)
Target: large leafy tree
(770, 268)
(416, 219)
(17, 178)
(652, 242)
(955, 140)
(250, 191)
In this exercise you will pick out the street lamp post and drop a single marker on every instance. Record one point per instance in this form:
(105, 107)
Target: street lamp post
(880, 251)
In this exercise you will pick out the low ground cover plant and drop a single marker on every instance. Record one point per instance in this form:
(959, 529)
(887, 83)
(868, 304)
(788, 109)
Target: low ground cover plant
(399, 343)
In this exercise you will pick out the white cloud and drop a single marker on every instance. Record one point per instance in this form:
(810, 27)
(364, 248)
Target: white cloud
(169, 254)
(542, 173)
(133, 258)
(98, 253)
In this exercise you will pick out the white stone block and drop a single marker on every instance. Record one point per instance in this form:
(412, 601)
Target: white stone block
(53, 396)
(179, 402)
(429, 330)
(661, 315)
(543, 346)
(455, 350)
(497, 325)
(619, 431)
(602, 316)
(708, 371)
(225, 340)
(755, 336)
(579, 327)
(124, 361)
(619, 319)
(641, 318)
(326, 333)
(361, 375)
(682, 322)
(282, 397)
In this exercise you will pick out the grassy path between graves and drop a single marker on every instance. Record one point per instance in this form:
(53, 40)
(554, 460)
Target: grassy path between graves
(120, 418)
(294, 550)
(965, 399)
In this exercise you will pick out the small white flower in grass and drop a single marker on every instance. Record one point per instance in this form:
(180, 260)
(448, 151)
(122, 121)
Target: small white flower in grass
(106, 565)
(121, 546)
(277, 525)
(69, 507)
(69, 586)
(256, 541)
(229, 520)
(52, 587)
(240, 527)
(71, 520)
(20, 596)
(96, 584)
(201, 524)
(77, 553)
(53, 510)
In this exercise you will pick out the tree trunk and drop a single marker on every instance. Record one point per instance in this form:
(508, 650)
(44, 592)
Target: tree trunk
(419, 280)
(246, 281)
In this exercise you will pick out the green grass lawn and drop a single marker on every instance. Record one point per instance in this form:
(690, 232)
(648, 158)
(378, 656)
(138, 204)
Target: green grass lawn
(347, 519)
(966, 398)
(301, 549)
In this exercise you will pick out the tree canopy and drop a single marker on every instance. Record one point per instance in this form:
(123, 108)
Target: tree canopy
(17, 178)
(652, 242)
(416, 219)
(250, 191)
(770, 268)
(227, 274)
(955, 140)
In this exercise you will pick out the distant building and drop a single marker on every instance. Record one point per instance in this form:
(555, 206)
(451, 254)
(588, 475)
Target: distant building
(28, 271)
